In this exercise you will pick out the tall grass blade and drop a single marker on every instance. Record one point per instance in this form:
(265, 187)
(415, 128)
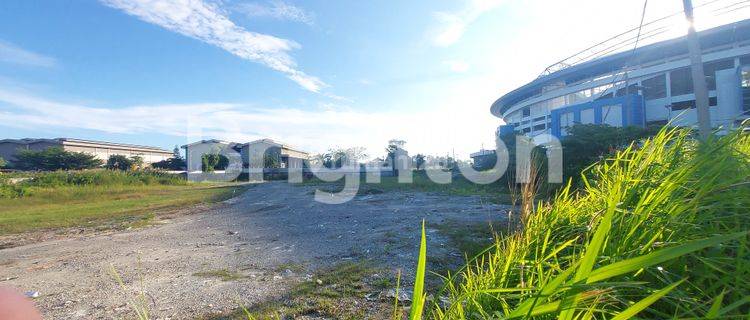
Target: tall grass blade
(643, 304)
(659, 256)
(713, 312)
(419, 297)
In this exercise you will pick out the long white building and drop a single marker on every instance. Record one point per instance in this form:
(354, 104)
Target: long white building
(99, 149)
(649, 85)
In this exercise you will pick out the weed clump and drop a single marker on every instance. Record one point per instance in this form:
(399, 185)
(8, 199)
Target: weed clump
(24, 185)
(659, 230)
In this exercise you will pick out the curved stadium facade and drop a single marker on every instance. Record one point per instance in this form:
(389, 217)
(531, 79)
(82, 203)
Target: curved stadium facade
(649, 85)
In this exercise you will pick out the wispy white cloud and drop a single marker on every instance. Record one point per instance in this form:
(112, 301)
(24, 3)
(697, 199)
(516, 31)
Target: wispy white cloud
(275, 9)
(11, 53)
(457, 65)
(206, 22)
(452, 25)
(433, 131)
(366, 82)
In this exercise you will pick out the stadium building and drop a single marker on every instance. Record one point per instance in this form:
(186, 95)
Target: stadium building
(648, 85)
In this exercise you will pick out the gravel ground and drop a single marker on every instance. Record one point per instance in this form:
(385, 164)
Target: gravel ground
(254, 235)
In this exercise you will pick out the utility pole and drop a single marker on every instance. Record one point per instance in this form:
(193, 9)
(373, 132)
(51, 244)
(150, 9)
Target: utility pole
(699, 78)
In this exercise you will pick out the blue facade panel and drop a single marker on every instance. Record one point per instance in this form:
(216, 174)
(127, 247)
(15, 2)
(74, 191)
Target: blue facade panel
(505, 130)
(632, 108)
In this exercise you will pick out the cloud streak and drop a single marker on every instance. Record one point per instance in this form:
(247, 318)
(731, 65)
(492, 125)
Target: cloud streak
(277, 10)
(10, 53)
(458, 66)
(312, 130)
(205, 22)
(453, 25)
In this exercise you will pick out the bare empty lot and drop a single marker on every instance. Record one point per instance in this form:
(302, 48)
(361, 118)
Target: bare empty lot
(246, 251)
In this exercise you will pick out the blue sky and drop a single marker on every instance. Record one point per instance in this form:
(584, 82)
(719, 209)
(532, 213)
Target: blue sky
(316, 74)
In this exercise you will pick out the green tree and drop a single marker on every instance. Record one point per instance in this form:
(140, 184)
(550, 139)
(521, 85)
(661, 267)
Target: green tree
(339, 157)
(393, 146)
(136, 162)
(419, 160)
(209, 162)
(118, 162)
(55, 158)
(177, 162)
(170, 164)
(271, 162)
(3, 163)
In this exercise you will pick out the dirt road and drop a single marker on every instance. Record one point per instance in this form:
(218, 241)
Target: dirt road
(252, 237)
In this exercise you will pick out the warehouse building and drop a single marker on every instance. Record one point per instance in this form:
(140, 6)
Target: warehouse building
(101, 150)
(253, 154)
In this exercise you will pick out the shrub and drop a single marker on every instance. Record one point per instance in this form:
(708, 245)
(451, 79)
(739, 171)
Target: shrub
(118, 162)
(87, 178)
(55, 158)
(13, 191)
(271, 161)
(586, 144)
(170, 164)
(3, 163)
(211, 162)
(659, 231)
(121, 162)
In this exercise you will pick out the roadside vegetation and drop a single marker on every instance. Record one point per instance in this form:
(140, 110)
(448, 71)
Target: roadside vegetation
(96, 198)
(497, 192)
(657, 230)
(51, 159)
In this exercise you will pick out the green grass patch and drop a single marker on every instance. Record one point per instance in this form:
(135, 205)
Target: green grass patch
(103, 206)
(659, 230)
(469, 238)
(291, 266)
(496, 192)
(336, 292)
(223, 274)
(25, 184)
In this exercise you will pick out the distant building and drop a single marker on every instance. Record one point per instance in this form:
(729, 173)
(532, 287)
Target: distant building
(286, 155)
(649, 85)
(252, 154)
(99, 149)
(484, 159)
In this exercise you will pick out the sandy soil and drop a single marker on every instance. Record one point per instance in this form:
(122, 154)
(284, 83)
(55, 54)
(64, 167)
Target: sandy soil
(254, 234)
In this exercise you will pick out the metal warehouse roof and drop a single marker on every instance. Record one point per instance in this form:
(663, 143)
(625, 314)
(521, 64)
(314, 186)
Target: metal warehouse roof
(726, 34)
(86, 142)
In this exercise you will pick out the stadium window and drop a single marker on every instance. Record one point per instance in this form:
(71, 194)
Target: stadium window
(690, 104)
(540, 127)
(631, 89)
(683, 105)
(526, 130)
(655, 123)
(681, 82)
(526, 112)
(710, 69)
(746, 87)
(655, 88)
(539, 118)
(606, 96)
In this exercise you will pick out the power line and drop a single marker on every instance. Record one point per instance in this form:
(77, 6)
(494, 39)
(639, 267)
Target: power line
(632, 55)
(649, 30)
